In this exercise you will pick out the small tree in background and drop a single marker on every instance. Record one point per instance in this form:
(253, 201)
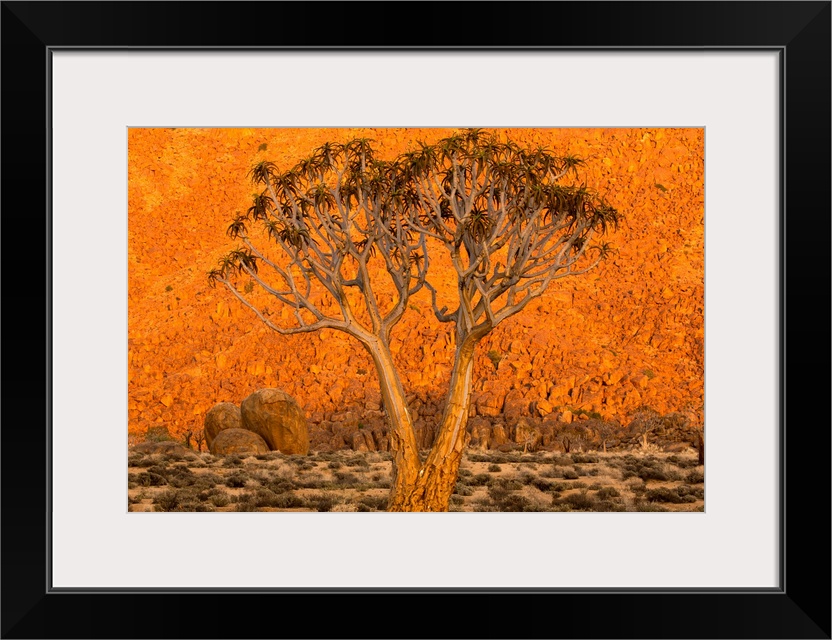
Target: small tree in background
(336, 224)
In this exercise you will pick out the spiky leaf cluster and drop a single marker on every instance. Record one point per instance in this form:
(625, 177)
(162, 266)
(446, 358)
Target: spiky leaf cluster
(512, 219)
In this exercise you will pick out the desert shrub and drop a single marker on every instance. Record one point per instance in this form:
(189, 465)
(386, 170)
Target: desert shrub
(687, 463)
(570, 473)
(526, 478)
(207, 481)
(146, 463)
(334, 465)
(687, 490)
(372, 503)
(264, 498)
(346, 478)
(167, 500)
(149, 479)
(514, 502)
(494, 468)
(666, 494)
(219, 499)
(134, 460)
(559, 505)
(202, 507)
(561, 460)
(609, 505)
(594, 486)
(506, 483)
(289, 501)
(384, 482)
(581, 501)
(314, 480)
(648, 468)
(695, 477)
(497, 493)
(479, 480)
(232, 461)
(542, 484)
(280, 486)
(160, 469)
(484, 505)
(175, 456)
(577, 485)
(181, 478)
(654, 473)
(605, 493)
(356, 461)
(237, 479)
(321, 501)
(641, 505)
(551, 472)
(463, 489)
(245, 505)
(638, 487)
(584, 458)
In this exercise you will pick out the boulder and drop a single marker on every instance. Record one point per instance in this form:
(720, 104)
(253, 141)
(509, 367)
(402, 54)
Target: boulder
(515, 405)
(239, 442)
(499, 436)
(225, 415)
(277, 418)
(359, 442)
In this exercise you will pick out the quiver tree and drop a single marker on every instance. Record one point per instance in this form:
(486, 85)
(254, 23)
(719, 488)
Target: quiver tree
(504, 216)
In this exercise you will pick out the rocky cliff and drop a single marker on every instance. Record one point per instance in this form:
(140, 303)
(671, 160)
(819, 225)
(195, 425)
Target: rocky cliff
(625, 335)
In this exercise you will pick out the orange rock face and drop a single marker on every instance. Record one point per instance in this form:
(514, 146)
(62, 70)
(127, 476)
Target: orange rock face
(628, 334)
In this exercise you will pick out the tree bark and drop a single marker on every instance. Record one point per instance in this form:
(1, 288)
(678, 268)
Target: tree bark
(406, 461)
(436, 478)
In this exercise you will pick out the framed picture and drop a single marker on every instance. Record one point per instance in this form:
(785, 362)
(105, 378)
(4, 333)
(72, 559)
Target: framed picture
(753, 78)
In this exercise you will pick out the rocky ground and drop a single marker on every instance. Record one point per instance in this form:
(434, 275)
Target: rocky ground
(640, 479)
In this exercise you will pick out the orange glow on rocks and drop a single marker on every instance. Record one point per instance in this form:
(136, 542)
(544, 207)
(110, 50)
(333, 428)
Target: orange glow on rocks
(627, 334)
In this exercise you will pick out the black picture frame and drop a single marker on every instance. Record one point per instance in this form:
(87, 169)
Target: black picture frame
(799, 608)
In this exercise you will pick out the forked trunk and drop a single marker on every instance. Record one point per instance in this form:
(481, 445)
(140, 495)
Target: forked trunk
(435, 479)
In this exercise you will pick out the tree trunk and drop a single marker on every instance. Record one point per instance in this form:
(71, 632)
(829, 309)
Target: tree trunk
(406, 460)
(436, 478)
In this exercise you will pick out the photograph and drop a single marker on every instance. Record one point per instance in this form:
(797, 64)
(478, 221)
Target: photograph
(416, 319)
(524, 265)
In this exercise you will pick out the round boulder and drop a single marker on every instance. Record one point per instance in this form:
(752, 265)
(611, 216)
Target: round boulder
(238, 442)
(222, 416)
(278, 419)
